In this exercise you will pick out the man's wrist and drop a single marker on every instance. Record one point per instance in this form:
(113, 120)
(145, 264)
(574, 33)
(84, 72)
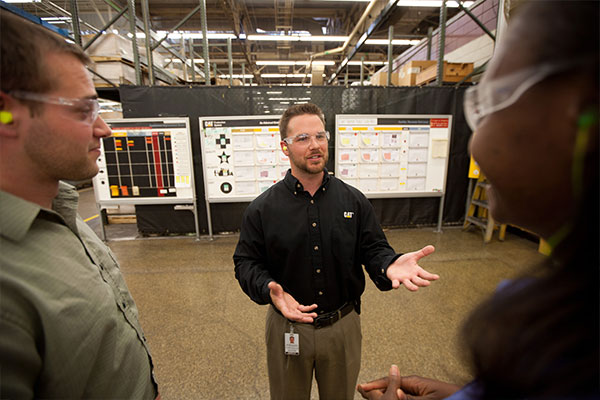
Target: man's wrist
(266, 292)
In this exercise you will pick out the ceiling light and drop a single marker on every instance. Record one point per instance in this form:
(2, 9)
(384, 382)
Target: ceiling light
(292, 63)
(237, 76)
(397, 42)
(367, 62)
(323, 38)
(197, 35)
(54, 19)
(431, 3)
(177, 60)
(297, 38)
(283, 75)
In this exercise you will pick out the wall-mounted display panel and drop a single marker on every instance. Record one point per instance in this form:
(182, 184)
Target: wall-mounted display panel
(241, 156)
(145, 161)
(393, 155)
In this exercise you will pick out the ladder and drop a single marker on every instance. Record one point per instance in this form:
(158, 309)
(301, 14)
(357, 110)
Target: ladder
(479, 215)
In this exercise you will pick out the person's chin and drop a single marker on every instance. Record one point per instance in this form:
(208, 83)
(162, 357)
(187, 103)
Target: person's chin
(89, 172)
(316, 168)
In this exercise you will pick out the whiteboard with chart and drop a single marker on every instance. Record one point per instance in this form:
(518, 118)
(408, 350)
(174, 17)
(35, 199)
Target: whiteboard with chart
(145, 161)
(241, 156)
(393, 155)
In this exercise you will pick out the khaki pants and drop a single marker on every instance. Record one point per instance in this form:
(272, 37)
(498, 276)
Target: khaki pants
(332, 352)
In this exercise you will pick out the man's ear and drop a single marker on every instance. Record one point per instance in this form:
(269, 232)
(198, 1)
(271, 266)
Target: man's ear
(284, 148)
(9, 115)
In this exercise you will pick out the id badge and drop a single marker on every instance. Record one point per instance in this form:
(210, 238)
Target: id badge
(291, 343)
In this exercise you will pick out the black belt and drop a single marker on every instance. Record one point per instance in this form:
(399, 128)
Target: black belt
(332, 317)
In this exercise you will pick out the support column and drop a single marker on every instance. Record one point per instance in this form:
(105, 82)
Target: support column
(147, 33)
(429, 38)
(230, 61)
(75, 22)
(390, 55)
(362, 69)
(136, 52)
(441, 44)
(191, 51)
(205, 43)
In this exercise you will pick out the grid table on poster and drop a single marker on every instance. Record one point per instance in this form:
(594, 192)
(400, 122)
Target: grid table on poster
(393, 155)
(241, 156)
(146, 161)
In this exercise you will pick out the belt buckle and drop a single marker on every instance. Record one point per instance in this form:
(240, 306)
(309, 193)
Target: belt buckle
(321, 322)
(317, 323)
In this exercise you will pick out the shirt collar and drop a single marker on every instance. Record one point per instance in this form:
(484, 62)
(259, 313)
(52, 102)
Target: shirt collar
(294, 185)
(17, 215)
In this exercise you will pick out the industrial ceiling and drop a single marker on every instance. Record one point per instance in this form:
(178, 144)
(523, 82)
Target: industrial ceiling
(321, 34)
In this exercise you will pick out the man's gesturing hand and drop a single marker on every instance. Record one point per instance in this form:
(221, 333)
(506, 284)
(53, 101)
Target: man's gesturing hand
(289, 307)
(407, 271)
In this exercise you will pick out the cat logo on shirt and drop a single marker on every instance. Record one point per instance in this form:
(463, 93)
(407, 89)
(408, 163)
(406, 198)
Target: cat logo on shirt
(348, 214)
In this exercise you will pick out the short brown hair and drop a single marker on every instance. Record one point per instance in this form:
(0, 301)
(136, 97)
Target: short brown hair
(294, 111)
(22, 53)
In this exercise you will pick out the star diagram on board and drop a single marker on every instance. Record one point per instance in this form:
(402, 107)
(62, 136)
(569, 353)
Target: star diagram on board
(222, 141)
(224, 158)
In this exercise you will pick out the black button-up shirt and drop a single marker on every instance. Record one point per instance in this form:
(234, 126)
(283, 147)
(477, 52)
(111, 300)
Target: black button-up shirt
(313, 246)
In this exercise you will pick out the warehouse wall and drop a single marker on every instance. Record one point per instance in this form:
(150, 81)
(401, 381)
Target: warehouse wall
(465, 41)
(197, 101)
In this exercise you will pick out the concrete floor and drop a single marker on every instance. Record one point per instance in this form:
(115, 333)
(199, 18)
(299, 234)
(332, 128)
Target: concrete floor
(207, 337)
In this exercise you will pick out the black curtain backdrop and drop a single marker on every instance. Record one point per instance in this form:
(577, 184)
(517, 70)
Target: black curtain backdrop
(203, 101)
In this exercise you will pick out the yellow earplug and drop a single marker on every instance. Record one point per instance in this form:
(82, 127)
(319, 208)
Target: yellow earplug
(284, 148)
(6, 117)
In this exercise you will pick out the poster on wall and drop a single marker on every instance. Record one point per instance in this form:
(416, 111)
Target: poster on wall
(241, 156)
(393, 155)
(145, 161)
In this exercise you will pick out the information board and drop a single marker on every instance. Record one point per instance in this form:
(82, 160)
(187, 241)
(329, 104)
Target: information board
(393, 155)
(145, 161)
(241, 156)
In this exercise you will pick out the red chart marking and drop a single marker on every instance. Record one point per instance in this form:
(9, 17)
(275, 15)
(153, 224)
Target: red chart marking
(157, 163)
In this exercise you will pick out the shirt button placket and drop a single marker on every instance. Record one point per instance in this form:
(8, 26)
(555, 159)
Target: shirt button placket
(316, 256)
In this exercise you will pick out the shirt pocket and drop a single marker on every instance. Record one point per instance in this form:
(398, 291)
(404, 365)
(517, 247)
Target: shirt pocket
(345, 234)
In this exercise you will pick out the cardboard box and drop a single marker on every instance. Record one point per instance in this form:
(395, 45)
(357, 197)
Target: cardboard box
(118, 72)
(453, 72)
(407, 73)
(110, 45)
(111, 50)
(380, 77)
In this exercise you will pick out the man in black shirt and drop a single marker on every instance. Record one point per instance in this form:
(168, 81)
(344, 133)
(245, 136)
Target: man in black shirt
(302, 246)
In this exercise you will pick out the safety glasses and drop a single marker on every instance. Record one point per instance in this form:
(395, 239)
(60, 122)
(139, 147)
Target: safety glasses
(305, 138)
(83, 110)
(498, 94)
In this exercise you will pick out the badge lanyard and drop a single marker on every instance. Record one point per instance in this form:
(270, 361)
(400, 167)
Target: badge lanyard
(291, 342)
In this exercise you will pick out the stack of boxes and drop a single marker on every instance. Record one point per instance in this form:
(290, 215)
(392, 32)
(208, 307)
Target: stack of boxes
(418, 73)
(113, 58)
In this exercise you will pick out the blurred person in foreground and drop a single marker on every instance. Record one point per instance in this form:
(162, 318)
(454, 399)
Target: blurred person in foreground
(535, 118)
(69, 327)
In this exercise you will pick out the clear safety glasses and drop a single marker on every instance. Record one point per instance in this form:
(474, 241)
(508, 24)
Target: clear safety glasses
(305, 138)
(84, 110)
(498, 94)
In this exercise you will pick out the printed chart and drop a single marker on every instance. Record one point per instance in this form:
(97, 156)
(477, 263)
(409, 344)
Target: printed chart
(393, 155)
(145, 161)
(241, 156)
